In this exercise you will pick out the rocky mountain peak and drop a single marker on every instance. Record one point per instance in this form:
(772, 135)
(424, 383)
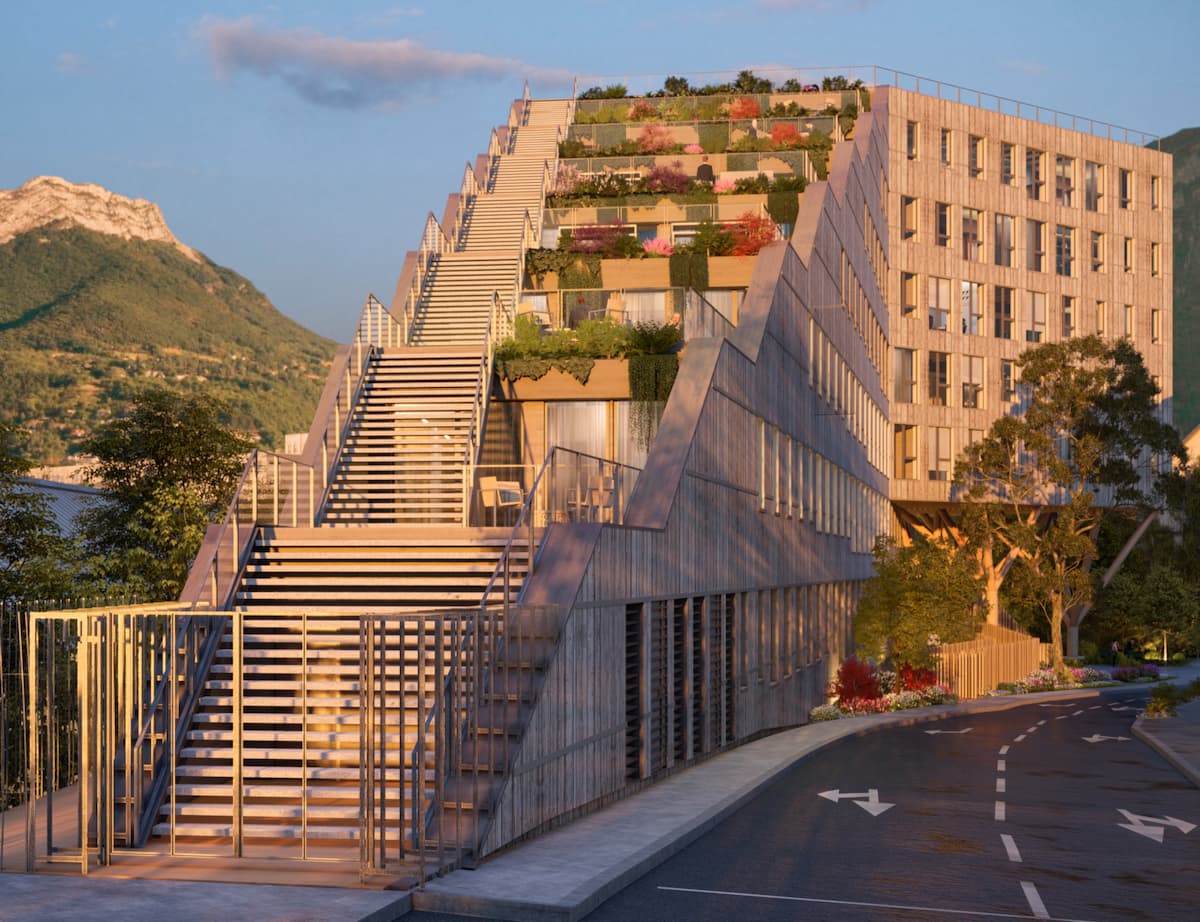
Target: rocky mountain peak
(48, 201)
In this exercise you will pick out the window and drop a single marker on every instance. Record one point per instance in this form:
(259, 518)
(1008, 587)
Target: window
(905, 452)
(1064, 248)
(908, 293)
(1155, 326)
(1008, 168)
(974, 156)
(1125, 188)
(939, 304)
(1155, 192)
(939, 453)
(910, 140)
(939, 378)
(1097, 251)
(944, 150)
(972, 308)
(942, 224)
(1004, 240)
(904, 377)
(1064, 180)
(1093, 189)
(1127, 322)
(1033, 173)
(1127, 254)
(1101, 318)
(908, 217)
(971, 219)
(972, 381)
(1068, 316)
(1155, 259)
(1003, 313)
(1008, 387)
(1035, 245)
(1037, 317)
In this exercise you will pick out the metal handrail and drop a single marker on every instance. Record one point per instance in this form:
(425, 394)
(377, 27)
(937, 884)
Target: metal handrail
(434, 243)
(483, 386)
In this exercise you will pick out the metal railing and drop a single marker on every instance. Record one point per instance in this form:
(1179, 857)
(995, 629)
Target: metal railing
(479, 404)
(660, 213)
(434, 243)
(568, 307)
(737, 161)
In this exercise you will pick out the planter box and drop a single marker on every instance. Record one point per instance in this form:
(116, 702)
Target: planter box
(547, 281)
(730, 271)
(609, 380)
(619, 274)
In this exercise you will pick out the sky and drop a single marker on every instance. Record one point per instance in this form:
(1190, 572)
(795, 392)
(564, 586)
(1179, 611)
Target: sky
(302, 144)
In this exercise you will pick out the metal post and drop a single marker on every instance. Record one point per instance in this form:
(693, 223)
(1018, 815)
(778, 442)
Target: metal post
(238, 730)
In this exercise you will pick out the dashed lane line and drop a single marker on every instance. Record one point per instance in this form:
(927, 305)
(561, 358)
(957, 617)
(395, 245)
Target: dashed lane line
(1019, 738)
(1003, 750)
(1000, 785)
(1001, 765)
(1036, 906)
(1010, 847)
(999, 814)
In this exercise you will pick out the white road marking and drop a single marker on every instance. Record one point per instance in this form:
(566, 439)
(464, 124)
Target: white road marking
(1000, 785)
(1040, 722)
(1000, 811)
(895, 906)
(1001, 765)
(1036, 906)
(1095, 707)
(1032, 729)
(1077, 713)
(1003, 750)
(1062, 716)
(1019, 738)
(1010, 847)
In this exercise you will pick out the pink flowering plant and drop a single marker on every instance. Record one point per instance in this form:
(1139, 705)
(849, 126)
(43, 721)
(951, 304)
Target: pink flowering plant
(723, 186)
(693, 149)
(1044, 679)
(857, 691)
(658, 246)
(654, 139)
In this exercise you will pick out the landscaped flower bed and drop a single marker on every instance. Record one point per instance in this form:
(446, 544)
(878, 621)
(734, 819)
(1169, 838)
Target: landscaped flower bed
(1142, 672)
(861, 688)
(1045, 680)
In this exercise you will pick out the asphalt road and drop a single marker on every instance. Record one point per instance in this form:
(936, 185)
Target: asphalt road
(1048, 811)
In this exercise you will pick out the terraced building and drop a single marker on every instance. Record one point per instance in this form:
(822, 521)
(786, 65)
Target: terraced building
(501, 588)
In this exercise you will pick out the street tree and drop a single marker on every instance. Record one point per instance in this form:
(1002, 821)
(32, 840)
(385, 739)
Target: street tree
(1087, 422)
(169, 468)
(34, 555)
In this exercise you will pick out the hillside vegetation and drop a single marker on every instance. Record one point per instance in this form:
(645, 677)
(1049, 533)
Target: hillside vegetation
(1184, 146)
(85, 317)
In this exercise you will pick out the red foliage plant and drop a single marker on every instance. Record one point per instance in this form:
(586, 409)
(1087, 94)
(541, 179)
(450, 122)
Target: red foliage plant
(665, 178)
(641, 110)
(856, 681)
(915, 678)
(785, 135)
(654, 139)
(597, 238)
(745, 107)
(751, 232)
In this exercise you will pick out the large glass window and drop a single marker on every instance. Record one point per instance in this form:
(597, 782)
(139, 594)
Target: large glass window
(939, 453)
(939, 304)
(1004, 240)
(1037, 317)
(1068, 316)
(1101, 318)
(1034, 178)
(1035, 245)
(972, 307)
(1155, 259)
(904, 375)
(972, 233)
(905, 452)
(1008, 163)
(1003, 312)
(908, 217)
(975, 156)
(972, 381)
(946, 144)
(908, 293)
(1008, 381)
(1097, 251)
(1064, 250)
(1125, 188)
(1093, 189)
(1155, 192)
(942, 224)
(580, 425)
(939, 378)
(1064, 180)
(1127, 254)
(910, 140)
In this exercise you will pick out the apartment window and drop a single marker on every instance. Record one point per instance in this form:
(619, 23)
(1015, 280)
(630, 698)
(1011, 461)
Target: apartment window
(1008, 386)
(939, 378)
(1093, 190)
(904, 376)
(1127, 254)
(1155, 259)
(908, 293)
(972, 381)
(1068, 316)
(908, 217)
(975, 156)
(1127, 322)
(1101, 318)
(1008, 164)
(1064, 180)
(1034, 180)
(910, 140)
(1064, 249)
(944, 147)
(1155, 326)
(972, 308)
(905, 453)
(1003, 312)
(939, 304)
(1037, 317)
(1097, 251)
(942, 224)
(971, 219)
(939, 453)
(1125, 188)
(1155, 192)
(1004, 240)
(1035, 245)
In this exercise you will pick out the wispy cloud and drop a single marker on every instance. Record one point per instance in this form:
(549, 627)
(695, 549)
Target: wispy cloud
(346, 73)
(69, 62)
(1029, 68)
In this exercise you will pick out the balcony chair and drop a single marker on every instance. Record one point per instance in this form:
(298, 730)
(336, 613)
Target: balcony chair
(500, 494)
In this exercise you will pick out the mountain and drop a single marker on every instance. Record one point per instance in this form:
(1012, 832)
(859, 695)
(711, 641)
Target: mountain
(97, 296)
(1184, 146)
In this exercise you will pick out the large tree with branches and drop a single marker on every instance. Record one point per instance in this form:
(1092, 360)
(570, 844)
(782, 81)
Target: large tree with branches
(1088, 436)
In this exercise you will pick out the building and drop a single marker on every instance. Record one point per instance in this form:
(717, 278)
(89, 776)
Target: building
(490, 596)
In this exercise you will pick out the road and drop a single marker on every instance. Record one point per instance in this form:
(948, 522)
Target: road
(1049, 811)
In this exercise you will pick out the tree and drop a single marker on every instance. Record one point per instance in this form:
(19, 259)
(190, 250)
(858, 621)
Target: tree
(1142, 606)
(925, 589)
(34, 555)
(169, 467)
(1089, 422)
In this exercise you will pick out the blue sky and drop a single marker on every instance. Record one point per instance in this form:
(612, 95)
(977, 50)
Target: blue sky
(302, 144)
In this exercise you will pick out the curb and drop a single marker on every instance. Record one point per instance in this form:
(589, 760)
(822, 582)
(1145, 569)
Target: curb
(1142, 732)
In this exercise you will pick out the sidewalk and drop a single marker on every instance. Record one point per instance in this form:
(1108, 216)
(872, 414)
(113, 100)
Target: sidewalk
(562, 875)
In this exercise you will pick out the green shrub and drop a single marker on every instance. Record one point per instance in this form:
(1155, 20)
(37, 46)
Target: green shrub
(1089, 651)
(783, 207)
(1163, 701)
(714, 136)
(612, 91)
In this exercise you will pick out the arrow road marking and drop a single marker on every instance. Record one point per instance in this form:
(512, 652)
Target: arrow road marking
(871, 804)
(965, 730)
(1097, 738)
(1152, 827)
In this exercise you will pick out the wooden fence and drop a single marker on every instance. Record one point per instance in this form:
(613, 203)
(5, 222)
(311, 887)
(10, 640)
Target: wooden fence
(998, 654)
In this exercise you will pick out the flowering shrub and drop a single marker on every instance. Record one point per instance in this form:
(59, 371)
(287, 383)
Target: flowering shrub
(895, 701)
(855, 681)
(654, 139)
(609, 240)
(667, 178)
(1044, 679)
(658, 246)
(745, 107)
(723, 185)
(693, 149)
(1084, 675)
(567, 180)
(916, 678)
(1133, 673)
(640, 111)
(826, 712)
(751, 232)
(785, 135)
